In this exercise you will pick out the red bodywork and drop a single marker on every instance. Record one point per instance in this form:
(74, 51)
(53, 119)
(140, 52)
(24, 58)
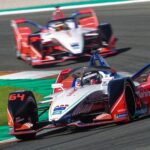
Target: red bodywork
(30, 54)
(127, 102)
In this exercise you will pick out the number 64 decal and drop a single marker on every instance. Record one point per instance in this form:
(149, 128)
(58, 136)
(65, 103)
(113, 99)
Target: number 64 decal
(16, 96)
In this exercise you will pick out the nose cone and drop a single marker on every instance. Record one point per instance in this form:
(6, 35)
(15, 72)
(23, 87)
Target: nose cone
(72, 40)
(75, 45)
(67, 100)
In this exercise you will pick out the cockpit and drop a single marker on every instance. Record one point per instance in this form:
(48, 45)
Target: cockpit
(61, 24)
(90, 75)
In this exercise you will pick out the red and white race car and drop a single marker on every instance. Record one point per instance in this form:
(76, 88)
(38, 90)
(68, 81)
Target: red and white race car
(83, 97)
(62, 38)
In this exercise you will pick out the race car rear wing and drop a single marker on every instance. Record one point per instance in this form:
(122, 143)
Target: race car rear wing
(86, 18)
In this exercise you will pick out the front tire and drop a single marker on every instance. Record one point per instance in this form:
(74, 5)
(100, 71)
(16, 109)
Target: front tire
(123, 86)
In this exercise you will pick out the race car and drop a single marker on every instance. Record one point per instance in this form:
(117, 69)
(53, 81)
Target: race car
(62, 38)
(83, 97)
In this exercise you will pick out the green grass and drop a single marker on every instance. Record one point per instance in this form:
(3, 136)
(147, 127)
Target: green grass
(4, 92)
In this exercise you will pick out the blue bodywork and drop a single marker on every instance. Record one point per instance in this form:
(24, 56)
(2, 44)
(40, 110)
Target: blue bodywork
(97, 57)
(140, 71)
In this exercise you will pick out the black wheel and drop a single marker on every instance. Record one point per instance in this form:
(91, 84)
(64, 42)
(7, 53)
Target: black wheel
(31, 111)
(130, 100)
(30, 115)
(116, 88)
(26, 136)
(105, 32)
(25, 108)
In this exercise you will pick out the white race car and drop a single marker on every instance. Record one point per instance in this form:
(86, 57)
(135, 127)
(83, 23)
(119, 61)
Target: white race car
(82, 97)
(62, 39)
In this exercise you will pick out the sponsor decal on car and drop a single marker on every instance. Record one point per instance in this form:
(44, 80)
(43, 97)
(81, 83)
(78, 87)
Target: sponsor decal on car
(59, 109)
(121, 115)
(143, 93)
(17, 96)
(75, 45)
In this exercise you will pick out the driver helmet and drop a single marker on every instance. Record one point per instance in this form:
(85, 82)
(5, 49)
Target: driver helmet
(59, 26)
(78, 82)
(96, 79)
(93, 78)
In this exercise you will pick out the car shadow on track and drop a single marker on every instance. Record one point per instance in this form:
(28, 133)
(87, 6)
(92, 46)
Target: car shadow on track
(122, 50)
(65, 136)
(67, 63)
(88, 130)
(68, 131)
(80, 60)
(47, 133)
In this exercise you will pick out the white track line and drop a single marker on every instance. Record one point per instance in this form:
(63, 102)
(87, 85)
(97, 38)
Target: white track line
(30, 75)
(8, 141)
(72, 7)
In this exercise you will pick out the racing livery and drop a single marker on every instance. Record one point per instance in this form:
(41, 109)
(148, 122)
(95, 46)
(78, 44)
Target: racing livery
(62, 38)
(83, 97)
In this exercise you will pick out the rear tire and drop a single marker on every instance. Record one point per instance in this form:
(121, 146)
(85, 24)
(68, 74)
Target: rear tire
(130, 100)
(31, 111)
(31, 117)
(105, 31)
(123, 86)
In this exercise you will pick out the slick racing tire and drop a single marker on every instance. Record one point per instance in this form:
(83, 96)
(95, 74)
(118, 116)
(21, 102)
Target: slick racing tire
(123, 86)
(23, 108)
(130, 100)
(31, 110)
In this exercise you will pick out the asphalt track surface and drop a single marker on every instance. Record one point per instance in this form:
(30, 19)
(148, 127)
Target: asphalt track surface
(131, 25)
